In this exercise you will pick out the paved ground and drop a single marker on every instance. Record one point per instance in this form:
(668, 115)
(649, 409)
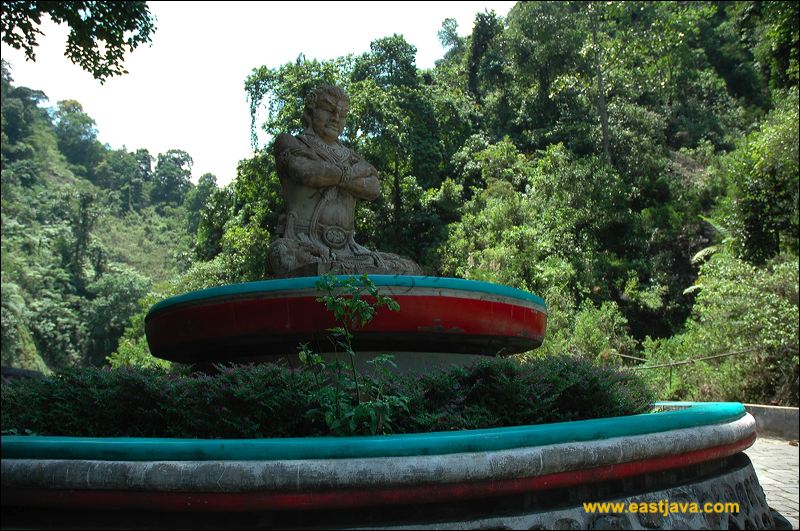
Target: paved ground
(776, 464)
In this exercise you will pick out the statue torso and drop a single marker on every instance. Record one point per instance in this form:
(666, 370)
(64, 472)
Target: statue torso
(316, 235)
(327, 211)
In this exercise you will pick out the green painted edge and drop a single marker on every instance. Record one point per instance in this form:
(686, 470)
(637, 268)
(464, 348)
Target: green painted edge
(292, 284)
(438, 443)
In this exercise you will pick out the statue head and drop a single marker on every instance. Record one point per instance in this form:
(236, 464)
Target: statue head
(326, 109)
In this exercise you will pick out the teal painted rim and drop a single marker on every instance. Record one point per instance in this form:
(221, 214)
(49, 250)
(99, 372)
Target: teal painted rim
(438, 443)
(300, 283)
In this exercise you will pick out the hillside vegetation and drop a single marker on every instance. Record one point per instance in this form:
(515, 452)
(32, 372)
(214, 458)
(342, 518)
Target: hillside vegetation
(87, 231)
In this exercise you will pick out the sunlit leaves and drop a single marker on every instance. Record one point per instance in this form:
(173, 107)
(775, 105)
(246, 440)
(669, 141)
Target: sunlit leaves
(100, 32)
(284, 89)
(763, 172)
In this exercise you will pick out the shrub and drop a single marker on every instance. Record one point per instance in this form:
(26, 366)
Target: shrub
(747, 312)
(271, 400)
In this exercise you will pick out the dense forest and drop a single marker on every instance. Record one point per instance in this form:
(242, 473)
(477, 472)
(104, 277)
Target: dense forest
(633, 163)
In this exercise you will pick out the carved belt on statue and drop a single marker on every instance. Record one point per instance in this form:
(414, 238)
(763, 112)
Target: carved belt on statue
(333, 236)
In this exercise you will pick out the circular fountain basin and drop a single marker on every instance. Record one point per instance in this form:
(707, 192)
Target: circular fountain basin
(514, 477)
(272, 317)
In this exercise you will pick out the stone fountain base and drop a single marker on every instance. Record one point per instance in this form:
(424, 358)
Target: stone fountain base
(657, 506)
(526, 477)
(734, 481)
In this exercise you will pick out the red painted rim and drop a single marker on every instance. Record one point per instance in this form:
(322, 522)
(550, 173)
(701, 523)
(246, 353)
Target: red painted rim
(256, 326)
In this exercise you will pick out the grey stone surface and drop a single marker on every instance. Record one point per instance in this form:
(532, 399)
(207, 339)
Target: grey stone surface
(776, 421)
(739, 485)
(776, 464)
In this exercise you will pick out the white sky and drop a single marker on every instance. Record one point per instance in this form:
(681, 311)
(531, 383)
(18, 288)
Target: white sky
(186, 90)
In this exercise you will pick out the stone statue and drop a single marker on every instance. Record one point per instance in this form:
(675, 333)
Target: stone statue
(321, 181)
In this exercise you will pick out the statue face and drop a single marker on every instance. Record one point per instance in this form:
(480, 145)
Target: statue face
(328, 118)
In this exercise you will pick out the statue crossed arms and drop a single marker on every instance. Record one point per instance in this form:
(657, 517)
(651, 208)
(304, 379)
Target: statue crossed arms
(321, 181)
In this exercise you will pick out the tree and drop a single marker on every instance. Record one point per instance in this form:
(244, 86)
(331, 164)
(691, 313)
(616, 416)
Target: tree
(390, 63)
(487, 28)
(211, 225)
(400, 135)
(399, 131)
(721, 38)
(57, 328)
(83, 214)
(77, 137)
(763, 196)
(20, 111)
(172, 176)
(100, 32)
(600, 334)
(196, 198)
(773, 32)
(120, 171)
(115, 298)
(448, 35)
(285, 88)
(17, 346)
(145, 164)
(602, 109)
(544, 42)
(449, 69)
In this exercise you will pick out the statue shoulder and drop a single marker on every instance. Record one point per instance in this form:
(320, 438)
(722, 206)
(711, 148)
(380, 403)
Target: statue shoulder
(285, 141)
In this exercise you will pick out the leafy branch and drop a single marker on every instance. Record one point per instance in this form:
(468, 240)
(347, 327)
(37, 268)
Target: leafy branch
(354, 303)
(344, 297)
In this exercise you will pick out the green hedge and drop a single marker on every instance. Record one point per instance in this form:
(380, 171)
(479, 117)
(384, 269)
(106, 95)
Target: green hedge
(270, 400)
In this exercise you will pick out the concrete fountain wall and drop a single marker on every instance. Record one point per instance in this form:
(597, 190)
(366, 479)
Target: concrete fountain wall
(531, 477)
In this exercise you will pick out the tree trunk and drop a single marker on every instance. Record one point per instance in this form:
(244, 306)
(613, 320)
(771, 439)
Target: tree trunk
(397, 201)
(601, 96)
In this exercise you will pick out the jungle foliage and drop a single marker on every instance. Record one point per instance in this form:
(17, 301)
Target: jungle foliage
(634, 163)
(87, 231)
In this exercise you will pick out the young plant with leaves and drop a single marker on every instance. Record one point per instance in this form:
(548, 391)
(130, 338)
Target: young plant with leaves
(354, 302)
